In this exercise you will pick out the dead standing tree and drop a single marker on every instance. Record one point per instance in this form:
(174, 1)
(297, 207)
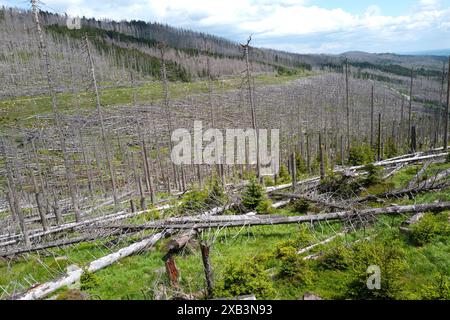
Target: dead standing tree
(410, 108)
(246, 48)
(13, 197)
(162, 48)
(106, 146)
(56, 115)
(447, 110)
(347, 107)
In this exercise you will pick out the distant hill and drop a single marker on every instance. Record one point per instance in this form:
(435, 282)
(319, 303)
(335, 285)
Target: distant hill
(433, 62)
(128, 49)
(441, 52)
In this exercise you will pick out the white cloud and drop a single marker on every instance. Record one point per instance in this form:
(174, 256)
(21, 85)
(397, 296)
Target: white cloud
(269, 20)
(429, 3)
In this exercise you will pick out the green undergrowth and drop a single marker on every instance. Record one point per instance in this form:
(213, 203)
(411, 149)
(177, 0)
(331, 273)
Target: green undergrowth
(262, 260)
(23, 110)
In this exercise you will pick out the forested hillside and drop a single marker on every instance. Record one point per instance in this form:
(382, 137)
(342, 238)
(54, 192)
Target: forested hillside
(93, 204)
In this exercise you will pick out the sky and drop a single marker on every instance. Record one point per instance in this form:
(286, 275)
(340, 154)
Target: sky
(302, 26)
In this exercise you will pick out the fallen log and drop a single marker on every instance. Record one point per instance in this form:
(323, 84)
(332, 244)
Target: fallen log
(401, 193)
(397, 169)
(416, 178)
(244, 220)
(74, 225)
(45, 289)
(309, 248)
(414, 219)
(431, 181)
(310, 199)
(405, 227)
(60, 243)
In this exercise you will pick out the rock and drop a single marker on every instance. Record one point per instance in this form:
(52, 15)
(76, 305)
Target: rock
(311, 296)
(247, 297)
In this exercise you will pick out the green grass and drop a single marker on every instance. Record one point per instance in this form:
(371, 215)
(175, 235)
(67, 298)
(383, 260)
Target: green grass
(138, 276)
(22, 110)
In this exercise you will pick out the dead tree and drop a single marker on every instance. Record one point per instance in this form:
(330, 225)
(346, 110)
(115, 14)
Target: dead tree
(347, 105)
(246, 48)
(208, 269)
(371, 117)
(13, 196)
(413, 139)
(163, 71)
(322, 164)
(410, 107)
(379, 138)
(293, 169)
(57, 117)
(109, 161)
(446, 113)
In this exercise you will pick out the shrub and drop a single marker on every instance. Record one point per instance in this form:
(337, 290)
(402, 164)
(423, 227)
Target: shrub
(390, 148)
(216, 195)
(360, 155)
(245, 278)
(264, 207)
(373, 175)
(283, 175)
(269, 182)
(88, 280)
(335, 258)
(430, 228)
(340, 185)
(439, 289)
(294, 268)
(388, 256)
(285, 248)
(265, 259)
(254, 197)
(301, 239)
(300, 205)
(194, 201)
(300, 164)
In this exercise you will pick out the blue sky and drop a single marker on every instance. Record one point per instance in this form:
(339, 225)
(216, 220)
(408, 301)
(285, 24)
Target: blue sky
(304, 26)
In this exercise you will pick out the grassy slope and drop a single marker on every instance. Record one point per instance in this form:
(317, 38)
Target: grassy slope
(22, 110)
(135, 277)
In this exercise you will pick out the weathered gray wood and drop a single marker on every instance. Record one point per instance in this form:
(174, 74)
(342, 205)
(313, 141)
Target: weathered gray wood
(45, 289)
(245, 220)
(204, 248)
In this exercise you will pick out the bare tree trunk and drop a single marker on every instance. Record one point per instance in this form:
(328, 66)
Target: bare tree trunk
(208, 270)
(109, 161)
(293, 170)
(308, 157)
(68, 168)
(379, 138)
(410, 107)
(162, 47)
(371, 118)
(252, 105)
(88, 166)
(149, 175)
(413, 139)
(347, 104)
(446, 113)
(322, 164)
(14, 199)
